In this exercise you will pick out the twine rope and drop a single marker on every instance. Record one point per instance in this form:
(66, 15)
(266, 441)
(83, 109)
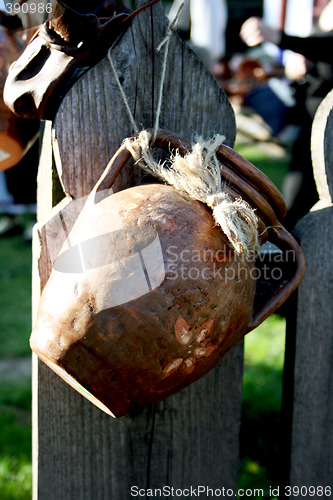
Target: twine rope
(166, 42)
(198, 174)
(123, 95)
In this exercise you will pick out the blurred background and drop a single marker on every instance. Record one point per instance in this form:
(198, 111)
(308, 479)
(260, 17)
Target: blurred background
(275, 91)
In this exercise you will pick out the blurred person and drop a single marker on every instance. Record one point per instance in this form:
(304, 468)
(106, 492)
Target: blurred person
(274, 100)
(294, 17)
(313, 63)
(310, 67)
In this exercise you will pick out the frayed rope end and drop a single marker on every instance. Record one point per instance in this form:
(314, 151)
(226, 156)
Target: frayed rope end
(198, 174)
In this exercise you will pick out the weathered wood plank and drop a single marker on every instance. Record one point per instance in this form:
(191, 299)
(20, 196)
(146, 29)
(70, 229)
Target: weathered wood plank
(311, 456)
(191, 438)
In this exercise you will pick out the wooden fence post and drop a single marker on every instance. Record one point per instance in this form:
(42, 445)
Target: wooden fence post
(309, 370)
(192, 437)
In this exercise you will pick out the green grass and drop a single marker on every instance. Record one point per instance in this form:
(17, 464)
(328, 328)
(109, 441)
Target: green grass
(15, 478)
(262, 393)
(15, 398)
(15, 296)
(274, 167)
(15, 441)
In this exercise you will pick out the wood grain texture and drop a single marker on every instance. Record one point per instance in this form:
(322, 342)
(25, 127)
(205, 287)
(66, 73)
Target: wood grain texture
(192, 437)
(311, 455)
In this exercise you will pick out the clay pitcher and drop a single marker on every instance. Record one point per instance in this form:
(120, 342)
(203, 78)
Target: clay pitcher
(146, 295)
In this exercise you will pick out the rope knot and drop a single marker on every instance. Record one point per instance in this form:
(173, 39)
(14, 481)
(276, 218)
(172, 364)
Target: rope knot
(198, 174)
(216, 199)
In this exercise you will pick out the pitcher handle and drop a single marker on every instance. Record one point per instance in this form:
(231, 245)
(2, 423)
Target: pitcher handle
(285, 242)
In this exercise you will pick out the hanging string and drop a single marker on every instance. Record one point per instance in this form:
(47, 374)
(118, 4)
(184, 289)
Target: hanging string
(165, 42)
(160, 97)
(123, 95)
